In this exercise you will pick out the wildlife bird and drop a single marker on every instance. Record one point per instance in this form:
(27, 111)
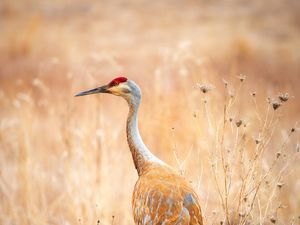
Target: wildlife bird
(161, 196)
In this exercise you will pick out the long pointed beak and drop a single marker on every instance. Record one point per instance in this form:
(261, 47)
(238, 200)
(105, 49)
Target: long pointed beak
(103, 89)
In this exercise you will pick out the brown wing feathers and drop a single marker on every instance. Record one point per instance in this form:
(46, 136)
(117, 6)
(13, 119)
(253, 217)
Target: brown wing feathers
(163, 197)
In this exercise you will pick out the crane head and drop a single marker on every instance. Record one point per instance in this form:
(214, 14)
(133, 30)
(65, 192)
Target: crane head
(119, 86)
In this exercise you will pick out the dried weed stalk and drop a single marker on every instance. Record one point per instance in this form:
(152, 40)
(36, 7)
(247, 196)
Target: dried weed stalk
(241, 169)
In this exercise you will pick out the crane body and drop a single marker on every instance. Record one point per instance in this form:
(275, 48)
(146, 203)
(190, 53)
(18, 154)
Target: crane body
(161, 196)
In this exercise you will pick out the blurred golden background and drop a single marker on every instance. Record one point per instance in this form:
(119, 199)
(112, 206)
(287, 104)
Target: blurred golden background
(65, 160)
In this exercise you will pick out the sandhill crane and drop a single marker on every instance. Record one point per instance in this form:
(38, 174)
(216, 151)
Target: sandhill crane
(161, 196)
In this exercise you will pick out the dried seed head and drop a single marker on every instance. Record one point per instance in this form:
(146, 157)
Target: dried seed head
(278, 154)
(226, 167)
(205, 87)
(241, 77)
(238, 123)
(283, 97)
(253, 94)
(293, 130)
(280, 185)
(241, 214)
(230, 119)
(257, 141)
(273, 220)
(225, 83)
(276, 105)
(282, 206)
(269, 101)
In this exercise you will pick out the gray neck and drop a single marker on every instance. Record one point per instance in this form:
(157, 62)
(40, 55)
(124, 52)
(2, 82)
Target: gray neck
(140, 153)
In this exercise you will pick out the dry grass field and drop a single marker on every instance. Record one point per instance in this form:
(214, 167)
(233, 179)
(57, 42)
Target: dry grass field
(214, 76)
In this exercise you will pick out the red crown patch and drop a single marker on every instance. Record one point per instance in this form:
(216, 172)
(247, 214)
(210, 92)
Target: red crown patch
(117, 81)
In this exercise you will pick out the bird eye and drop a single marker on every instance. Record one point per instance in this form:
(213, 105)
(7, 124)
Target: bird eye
(113, 83)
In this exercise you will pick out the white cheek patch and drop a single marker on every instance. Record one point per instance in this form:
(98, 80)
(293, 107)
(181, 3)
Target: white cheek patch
(119, 89)
(114, 89)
